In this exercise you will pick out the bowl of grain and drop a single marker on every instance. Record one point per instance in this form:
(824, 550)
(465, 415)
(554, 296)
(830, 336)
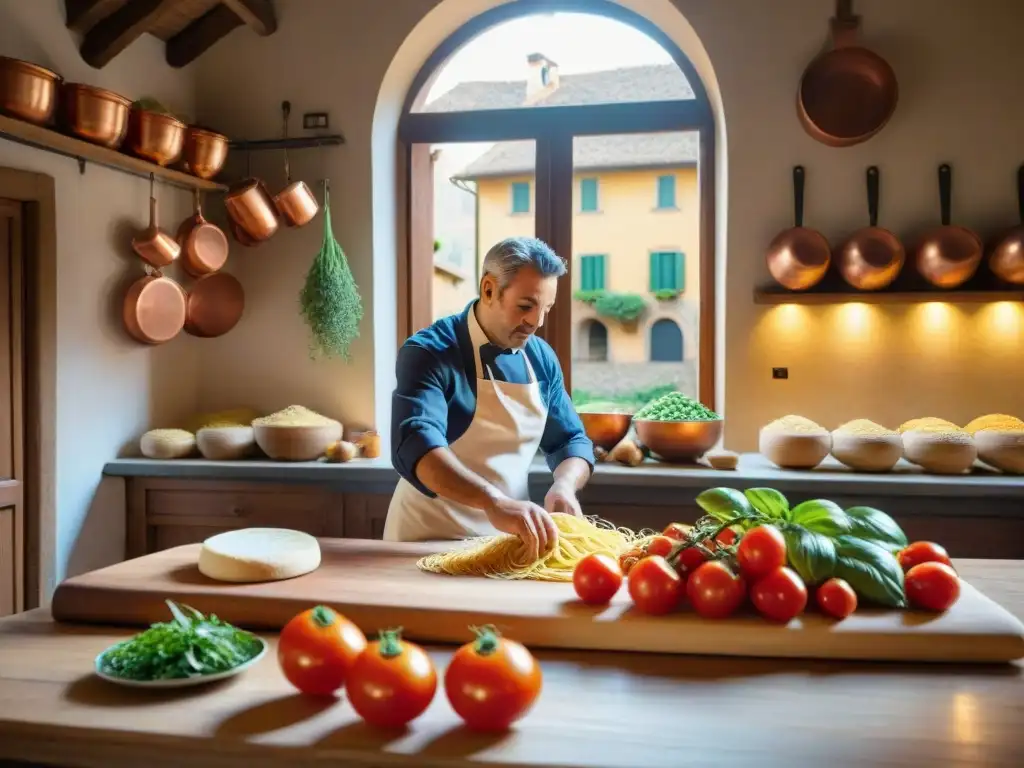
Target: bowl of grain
(865, 446)
(794, 442)
(999, 439)
(677, 428)
(938, 446)
(167, 444)
(295, 434)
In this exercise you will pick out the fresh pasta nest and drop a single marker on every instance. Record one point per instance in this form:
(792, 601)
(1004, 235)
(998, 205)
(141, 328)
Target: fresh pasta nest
(504, 556)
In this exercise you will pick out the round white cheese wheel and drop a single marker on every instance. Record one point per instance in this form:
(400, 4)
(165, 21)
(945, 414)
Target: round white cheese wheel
(259, 554)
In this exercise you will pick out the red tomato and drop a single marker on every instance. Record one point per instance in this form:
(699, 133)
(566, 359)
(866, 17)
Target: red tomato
(628, 559)
(779, 596)
(392, 682)
(726, 537)
(932, 586)
(492, 682)
(836, 598)
(923, 552)
(316, 649)
(655, 586)
(660, 545)
(596, 578)
(690, 559)
(715, 591)
(761, 551)
(676, 531)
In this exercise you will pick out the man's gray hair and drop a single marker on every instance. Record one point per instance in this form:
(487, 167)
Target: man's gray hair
(504, 260)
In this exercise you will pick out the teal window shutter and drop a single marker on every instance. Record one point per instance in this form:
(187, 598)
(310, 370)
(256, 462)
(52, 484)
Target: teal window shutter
(588, 194)
(666, 191)
(679, 271)
(655, 262)
(592, 272)
(668, 271)
(520, 197)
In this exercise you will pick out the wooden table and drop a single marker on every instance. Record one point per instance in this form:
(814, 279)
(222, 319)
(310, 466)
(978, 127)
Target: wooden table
(597, 709)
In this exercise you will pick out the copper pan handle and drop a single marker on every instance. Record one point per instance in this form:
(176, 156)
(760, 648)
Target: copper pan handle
(945, 193)
(798, 195)
(872, 179)
(844, 25)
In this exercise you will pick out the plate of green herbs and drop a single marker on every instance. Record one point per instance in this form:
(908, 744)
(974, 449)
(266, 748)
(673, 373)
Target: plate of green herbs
(190, 649)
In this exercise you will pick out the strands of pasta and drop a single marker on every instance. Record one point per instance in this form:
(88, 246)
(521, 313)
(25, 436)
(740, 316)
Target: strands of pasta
(504, 556)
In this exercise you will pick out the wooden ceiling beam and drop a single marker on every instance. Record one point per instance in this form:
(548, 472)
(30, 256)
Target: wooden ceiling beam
(195, 39)
(83, 15)
(119, 30)
(257, 14)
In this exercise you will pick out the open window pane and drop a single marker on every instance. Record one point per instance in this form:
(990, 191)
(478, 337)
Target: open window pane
(481, 192)
(635, 309)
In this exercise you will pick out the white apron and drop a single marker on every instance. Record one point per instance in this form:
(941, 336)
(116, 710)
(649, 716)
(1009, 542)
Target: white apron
(499, 445)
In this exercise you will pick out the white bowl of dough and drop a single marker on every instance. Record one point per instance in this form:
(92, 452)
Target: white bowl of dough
(794, 442)
(865, 446)
(226, 443)
(940, 450)
(167, 444)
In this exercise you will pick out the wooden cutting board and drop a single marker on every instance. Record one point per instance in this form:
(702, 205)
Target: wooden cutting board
(377, 585)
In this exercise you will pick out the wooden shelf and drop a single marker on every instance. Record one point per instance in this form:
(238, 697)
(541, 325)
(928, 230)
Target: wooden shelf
(783, 296)
(49, 140)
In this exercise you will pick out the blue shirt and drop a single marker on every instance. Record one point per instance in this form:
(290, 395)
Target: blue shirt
(435, 396)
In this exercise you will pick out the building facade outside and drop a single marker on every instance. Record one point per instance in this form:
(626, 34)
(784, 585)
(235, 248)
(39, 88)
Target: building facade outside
(635, 266)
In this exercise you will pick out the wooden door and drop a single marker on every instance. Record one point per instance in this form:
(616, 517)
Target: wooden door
(12, 468)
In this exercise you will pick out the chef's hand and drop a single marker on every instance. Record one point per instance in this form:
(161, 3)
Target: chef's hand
(562, 498)
(527, 521)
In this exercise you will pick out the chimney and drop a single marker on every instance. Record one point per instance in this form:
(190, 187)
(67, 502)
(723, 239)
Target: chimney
(541, 78)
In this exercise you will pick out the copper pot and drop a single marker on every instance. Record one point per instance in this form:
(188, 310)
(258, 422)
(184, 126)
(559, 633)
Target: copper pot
(155, 137)
(154, 309)
(296, 204)
(249, 205)
(27, 91)
(155, 246)
(95, 114)
(798, 257)
(1007, 260)
(848, 93)
(872, 257)
(205, 152)
(214, 305)
(948, 256)
(204, 246)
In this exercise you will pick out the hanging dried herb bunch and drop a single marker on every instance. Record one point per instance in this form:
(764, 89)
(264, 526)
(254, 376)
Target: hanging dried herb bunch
(330, 301)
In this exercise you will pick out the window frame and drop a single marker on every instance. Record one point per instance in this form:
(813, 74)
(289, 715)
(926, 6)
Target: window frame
(553, 130)
(513, 188)
(597, 194)
(604, 270)
(674, 206)
(658, 254)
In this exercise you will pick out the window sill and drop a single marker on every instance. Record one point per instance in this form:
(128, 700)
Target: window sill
(669, 209)
(590, 213)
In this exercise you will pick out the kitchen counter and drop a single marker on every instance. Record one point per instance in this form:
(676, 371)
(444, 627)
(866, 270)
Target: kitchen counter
(831, 477)
(599, 710)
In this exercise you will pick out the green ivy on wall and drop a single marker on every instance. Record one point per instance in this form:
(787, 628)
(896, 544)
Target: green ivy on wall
(624, 307)
(667, 294)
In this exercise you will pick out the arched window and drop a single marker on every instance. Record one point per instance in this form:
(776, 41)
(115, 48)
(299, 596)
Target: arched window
(578, 146)
(666, 341)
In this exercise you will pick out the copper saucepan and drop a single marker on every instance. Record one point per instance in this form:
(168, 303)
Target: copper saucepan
(204, 247)
(1007, 260)
(214, 305)
(296, 202)
(873, 256)
(949, 255)
(250, 206)
(798, 257)
(154, 309)
(848, 93)
(154, 245)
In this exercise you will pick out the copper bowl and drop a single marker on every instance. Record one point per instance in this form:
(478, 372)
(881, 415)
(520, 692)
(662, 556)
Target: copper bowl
(205, 152)
(27, 91)
(606, 430)
(678, 440)
(95, 114)
(155, 137)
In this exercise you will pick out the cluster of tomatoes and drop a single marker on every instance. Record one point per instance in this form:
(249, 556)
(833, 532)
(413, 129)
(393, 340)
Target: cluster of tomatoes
(490, 682)
(717, 577)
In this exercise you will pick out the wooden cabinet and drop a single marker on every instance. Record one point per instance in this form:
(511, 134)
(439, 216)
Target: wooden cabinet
(365, 514)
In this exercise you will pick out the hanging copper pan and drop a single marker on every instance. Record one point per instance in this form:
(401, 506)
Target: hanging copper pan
(1007, 260)
(848, 93)
(204, 247)
(296, 202)
(949, 255)
(154, 245)
(873, 256)
(798, 257)
(241, 237)
(214, 305)
(154, 309)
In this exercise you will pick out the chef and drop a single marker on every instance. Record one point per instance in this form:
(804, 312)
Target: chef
(477, 395)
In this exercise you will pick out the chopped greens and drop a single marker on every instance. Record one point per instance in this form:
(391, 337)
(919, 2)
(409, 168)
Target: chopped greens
(189, 646)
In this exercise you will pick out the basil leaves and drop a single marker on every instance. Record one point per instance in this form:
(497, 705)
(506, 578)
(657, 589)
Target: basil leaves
(822, 539)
